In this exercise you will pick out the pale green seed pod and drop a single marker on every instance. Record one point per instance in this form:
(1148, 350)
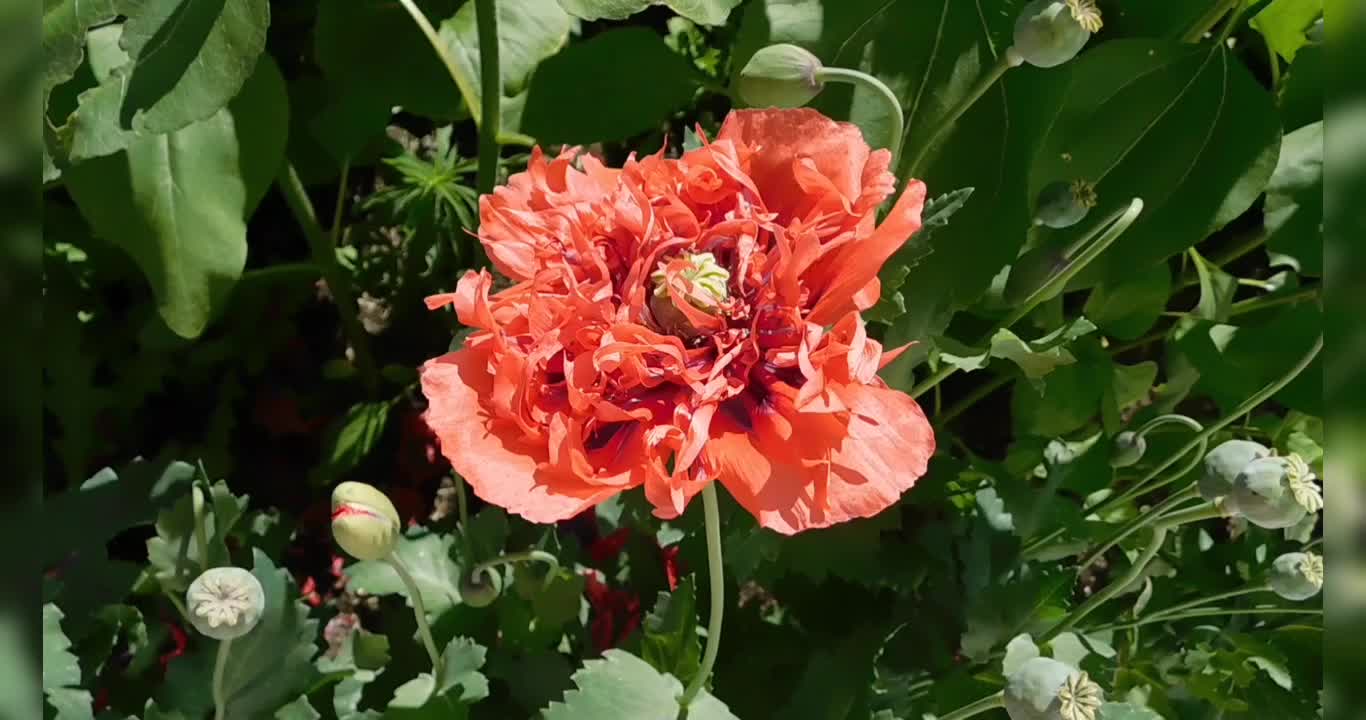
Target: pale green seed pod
(364, 521)
(1128, 449)
(1296, 576)
(1051, 32)
(480, 589)
(225, 602)
(1046, 689)
(1062, 205)
(781, 75)
(1275, 492)
(711, 282)
(1223, 464)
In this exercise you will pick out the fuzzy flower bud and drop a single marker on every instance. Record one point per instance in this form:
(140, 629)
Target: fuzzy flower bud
(364, 521)
(1128, 449)
(1047, 689)
(1051, 32)
(1223, 464)
(1275, 492)
(1063, 205)
(225, 602)
(1297, 575)
(782, 76)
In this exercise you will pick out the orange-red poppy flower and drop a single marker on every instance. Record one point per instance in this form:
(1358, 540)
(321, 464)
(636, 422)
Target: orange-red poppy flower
(679, 321)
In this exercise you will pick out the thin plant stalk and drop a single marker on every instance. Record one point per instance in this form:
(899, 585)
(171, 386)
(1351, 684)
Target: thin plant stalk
(990, 702)
(220, 700)
(1209, 612)
(419, 612)
(511, 558)
(864, 80)
(712, 510)
(1210, 599)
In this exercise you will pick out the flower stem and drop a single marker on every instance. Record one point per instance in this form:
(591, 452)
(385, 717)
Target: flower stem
(1009, 59)
(990, 702)
(1134, 525)
(1198, 602)
(491, 92)
(419, 612)
(1104, 595)
(324, 252)
(1207, 612)
(517, 557)
(462, 81)
(1161, 420)
(862, 79)
(201, 533)
(1206, 511)
(220, 701)
(718, 594)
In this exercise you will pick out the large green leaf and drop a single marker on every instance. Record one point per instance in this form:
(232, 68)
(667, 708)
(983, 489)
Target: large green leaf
(659, 80)
(1294, 199)
(706, 12)
(1185, 128)
(427, 557)
(1128, 307)
(65, 23)
(178, 203)
(1235, 361)
(621, 686)
(61, 672)
(110, 502)
(1284, 22)
(266, 668)
(186, 60)
(529, 31)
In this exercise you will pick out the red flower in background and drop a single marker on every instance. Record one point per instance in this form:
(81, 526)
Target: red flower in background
(681, 321)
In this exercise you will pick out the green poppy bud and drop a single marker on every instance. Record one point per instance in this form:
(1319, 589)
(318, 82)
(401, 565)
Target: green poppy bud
(1063, 205)
(1128, 449)
(364, 521)
(782, 76)
(1032, 270)
(1223, 464)
(225, 602)
(1297, 575)
(1046, 689)
(1275, 492)
(1051, 32)
(481, 588)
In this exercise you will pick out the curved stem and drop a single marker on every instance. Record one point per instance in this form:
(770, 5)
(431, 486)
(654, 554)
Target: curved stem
(1009, 59)
(490, 95)
(462, 81)
(990, 702)
(862, 79)
(419, 612)
(1161, 420)
(1211, 599)
(220, 664)
(1134, 525)
(510, 558)
(718, 594)
(1210, 612)
(1205, 511)
(1104, 595)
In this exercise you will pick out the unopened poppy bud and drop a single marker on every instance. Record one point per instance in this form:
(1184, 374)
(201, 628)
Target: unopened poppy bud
(1033, 270)
(1063, 205)
(364, 521)
(1275, 492)
(1223, 464)
(782, 76)
(1046, 689)
(1051, 32)
(480, 588)
(1297, 575)
(1128, 449)
(225, 602)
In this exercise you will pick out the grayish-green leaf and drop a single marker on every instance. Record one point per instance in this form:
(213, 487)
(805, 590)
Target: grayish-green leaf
(448, 697)
(621, 686)
(60, 668)
(1294, 199)
(178, 203)
(65, 23)
(427, 557)
(705, 12)
(297, 710)
(1127, 711)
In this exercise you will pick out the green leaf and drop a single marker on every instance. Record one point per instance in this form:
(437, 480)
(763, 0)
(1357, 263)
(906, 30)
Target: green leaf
(1302, 88)
(670, 641)
(1235, 361)
(1294, 199)
(1284, 22)
(265, 668)
(661, 81)
(362, 90)
(177, 203)
(1186, 128)
(186, 60)
(1127, 711)
(362, 654)
(65, 23)
(621, 686)
(1126, 308)
(529, 31)
(1035, 359)
(1132, 384)
(60, 668)
(297, 710)
(427, 556)
(704, 12)
(559, 599)
(935, 215)
(1004, 610)
(174, 553)
(350, 440)
(447, 698)
(1217, 289)
(110, 502)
